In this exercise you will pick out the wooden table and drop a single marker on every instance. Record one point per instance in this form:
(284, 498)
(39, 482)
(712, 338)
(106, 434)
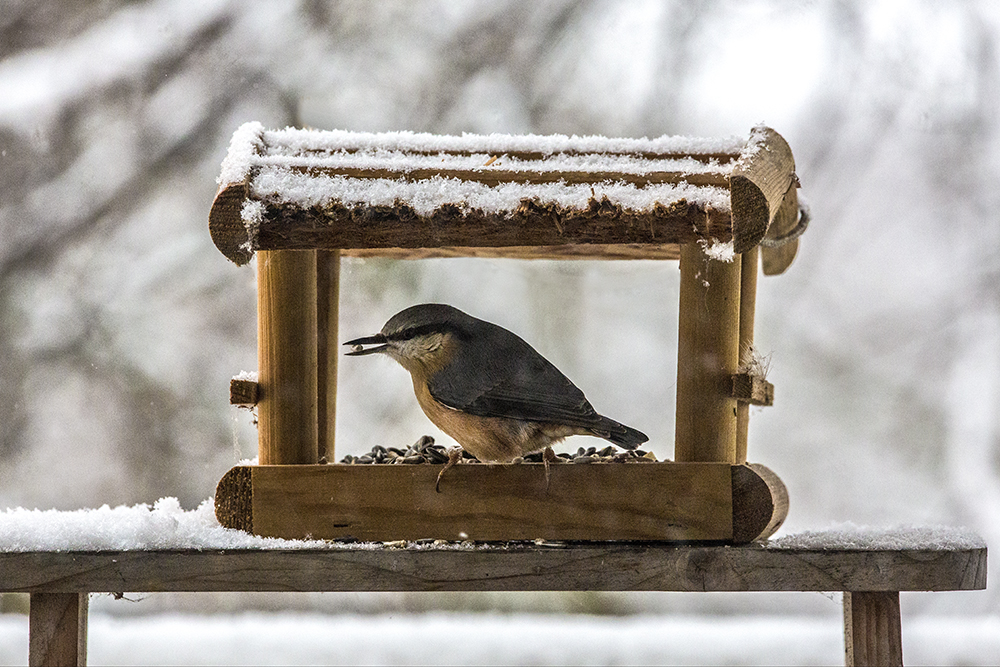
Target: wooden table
(871, 578)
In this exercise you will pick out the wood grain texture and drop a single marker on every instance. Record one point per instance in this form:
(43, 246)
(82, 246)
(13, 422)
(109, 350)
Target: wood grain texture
(533, 224)
(752, 390)
(707, 356)
(225, 223)
(327, 351)
(749, 268)
(589, 251)
(872, 629)
(757, 184)
(57, 628)
(234, 499)
(776, 260)
(514, 567)
(286, 357)
(493, 176)
(243, 392)
(760, 503)
(489, 502)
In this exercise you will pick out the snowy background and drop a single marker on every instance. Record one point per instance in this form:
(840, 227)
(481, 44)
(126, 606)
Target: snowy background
(121, 324)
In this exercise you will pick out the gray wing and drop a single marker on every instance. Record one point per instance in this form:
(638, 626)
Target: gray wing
(510, 379)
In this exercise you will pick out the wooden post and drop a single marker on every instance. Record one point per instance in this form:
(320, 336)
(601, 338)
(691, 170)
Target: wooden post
(57, 629)
(707, 357)
(748, 303)
(872, 629)
(286, 357)
(328, 347)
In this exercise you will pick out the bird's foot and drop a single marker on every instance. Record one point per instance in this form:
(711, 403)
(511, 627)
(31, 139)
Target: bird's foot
(548, 456)
(454, 456)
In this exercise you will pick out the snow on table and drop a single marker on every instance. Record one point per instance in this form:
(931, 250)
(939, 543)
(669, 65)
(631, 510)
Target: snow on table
(166, 525)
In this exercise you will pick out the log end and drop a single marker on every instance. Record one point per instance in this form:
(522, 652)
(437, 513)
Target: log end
(760, 503)
(762, 175)
(234, 499)
(225, 224)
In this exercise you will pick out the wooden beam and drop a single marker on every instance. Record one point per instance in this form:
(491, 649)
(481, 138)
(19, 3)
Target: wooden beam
(57, 628)
(587, 251)
(679, 502)
(492, 177)
(758, 182)
(872, 629)
(721, 157)
(707, 357)
(500, 567)
(286, 357)
(533, 224)
(488, 502)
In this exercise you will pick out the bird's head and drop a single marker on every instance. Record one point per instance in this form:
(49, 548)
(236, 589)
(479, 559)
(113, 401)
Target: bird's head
(420, 337)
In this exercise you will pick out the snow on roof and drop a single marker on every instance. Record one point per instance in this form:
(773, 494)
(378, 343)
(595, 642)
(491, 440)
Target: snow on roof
(166, 525)
(492, 173)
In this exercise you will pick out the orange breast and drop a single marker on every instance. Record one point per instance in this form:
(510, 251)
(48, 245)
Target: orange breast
(490, 438)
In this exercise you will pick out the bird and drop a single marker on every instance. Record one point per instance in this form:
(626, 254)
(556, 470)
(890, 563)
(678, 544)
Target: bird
(487, 388)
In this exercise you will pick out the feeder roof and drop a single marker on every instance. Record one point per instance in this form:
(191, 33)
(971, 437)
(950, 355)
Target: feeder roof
(373, 193)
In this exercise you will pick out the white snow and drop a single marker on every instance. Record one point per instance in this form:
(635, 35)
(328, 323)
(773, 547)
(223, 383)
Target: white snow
(244, 147)
(307, 168)
(722, 252)
(754, 145)
(426, 195)
(851, 536)
(252, 214)
(296, 141)
(166, 525)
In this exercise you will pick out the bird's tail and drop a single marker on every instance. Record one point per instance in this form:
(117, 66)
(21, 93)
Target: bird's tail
(619, 434)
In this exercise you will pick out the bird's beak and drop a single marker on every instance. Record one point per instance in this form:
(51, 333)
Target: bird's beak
(358, 345)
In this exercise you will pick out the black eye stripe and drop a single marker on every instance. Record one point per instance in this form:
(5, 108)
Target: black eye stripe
(410, 333)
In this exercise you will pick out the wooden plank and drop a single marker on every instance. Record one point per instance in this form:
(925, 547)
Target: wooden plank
(532, 225)
(57, 628)
(504, 567)
(625, 501)
(758, 183)
(492, 176)
(286, 357)
(872, 629)
(707, 356)
(588, 251)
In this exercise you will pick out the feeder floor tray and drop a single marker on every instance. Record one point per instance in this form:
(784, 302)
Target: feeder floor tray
(664, 502)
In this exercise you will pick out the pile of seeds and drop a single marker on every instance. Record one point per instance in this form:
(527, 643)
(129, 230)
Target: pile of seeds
(425, 451)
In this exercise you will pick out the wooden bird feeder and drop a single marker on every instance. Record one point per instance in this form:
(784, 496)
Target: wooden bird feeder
(301, 199)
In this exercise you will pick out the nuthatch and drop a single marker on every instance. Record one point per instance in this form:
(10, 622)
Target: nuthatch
(487, 388)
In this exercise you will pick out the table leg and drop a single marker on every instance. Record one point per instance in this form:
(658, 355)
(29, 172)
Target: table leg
(57, 629)
(872, 629)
